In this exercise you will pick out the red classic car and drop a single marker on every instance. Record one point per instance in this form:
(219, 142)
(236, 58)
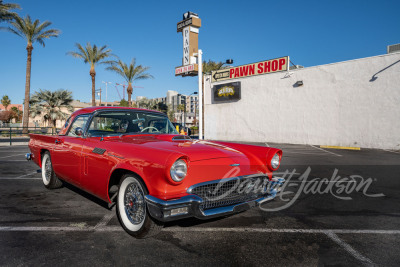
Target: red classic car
(136, 160)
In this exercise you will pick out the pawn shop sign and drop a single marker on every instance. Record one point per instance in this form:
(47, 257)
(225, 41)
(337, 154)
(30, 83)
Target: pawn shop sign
(263, 67)
(190, 32)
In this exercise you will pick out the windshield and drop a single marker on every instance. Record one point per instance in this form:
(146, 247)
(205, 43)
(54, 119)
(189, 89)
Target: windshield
(129, 122)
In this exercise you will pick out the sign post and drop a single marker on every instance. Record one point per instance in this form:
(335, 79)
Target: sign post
(200, 58)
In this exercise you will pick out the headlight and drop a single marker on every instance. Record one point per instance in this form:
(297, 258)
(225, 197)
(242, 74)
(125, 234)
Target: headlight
(178, 170)
(275, 161)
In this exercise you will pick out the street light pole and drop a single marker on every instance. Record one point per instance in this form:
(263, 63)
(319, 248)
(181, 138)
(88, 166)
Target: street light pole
(99, 94)
(106, 92)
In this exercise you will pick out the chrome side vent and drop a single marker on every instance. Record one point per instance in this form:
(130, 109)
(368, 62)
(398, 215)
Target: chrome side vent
(99, 151)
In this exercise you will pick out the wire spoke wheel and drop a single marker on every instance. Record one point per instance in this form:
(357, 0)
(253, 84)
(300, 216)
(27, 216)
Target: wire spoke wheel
(135, 207)
(48, 170)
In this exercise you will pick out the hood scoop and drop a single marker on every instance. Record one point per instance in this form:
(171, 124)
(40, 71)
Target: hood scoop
(173, 137)
(181, 137)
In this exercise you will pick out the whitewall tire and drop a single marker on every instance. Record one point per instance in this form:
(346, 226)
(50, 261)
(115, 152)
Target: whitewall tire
(132, 211)
(50, 180)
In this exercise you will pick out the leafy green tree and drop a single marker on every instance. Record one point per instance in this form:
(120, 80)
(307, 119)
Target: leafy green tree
(143, 103)
(49, 105)
(162, 107)
(92, 55)
(17, 114)
(5, 101)
(130, 73)
(6, 116)
(5, 11)
(123, 103)
(170, 113)
(31, 31)
(212, 65)
(181, 107)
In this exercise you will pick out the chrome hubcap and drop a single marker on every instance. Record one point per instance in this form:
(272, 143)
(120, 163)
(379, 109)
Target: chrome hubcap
(134, 203)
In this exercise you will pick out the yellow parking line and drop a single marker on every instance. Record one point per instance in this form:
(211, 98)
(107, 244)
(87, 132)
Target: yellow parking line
(341, 147)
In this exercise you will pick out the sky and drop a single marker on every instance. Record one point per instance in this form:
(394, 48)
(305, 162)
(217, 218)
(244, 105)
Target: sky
(310, 32)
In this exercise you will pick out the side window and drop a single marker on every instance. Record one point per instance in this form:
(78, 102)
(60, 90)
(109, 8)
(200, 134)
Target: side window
(79, 121)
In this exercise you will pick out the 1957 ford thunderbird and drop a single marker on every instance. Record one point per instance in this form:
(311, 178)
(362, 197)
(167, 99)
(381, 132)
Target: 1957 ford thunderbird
(136, 160)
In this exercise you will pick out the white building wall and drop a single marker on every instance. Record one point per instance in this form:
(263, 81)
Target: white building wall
(339, 105)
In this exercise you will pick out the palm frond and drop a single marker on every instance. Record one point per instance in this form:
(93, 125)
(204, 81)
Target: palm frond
(5, 11)
(32, 31)
(91, 54)
(129, 72)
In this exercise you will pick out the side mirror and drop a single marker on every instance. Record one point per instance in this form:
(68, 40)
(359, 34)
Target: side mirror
(78, 131)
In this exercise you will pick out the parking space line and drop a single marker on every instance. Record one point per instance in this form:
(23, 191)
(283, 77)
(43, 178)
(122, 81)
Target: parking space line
(266, 144)
(13, 160)
(199, 229)
(349, 248)
(104, 220)
(11, 156)
(291, 152)
(396, 152)
(20, 178)
(274, 230)
(326, 151)
(26, 174)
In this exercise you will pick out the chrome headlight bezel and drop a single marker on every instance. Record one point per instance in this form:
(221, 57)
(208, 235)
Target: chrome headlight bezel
(178, 170)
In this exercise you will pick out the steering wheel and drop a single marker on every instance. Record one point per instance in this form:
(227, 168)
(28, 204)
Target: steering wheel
(150, 127)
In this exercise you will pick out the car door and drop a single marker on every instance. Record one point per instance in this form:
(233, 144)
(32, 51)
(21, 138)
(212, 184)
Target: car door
(97, 159)
(67, 152)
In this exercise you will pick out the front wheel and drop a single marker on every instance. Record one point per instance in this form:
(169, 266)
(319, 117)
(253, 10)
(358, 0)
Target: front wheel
(132, 211)
(50, 179)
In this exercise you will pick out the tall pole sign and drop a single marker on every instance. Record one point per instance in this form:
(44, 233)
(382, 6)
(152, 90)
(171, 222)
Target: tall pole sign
(186, 45)
(189, 27)
(192, 64)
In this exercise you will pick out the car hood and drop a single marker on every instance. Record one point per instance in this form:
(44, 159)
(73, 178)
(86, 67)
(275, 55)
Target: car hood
(194, 149)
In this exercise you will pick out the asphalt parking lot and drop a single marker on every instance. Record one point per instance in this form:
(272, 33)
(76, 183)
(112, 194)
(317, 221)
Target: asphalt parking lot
(353, 222)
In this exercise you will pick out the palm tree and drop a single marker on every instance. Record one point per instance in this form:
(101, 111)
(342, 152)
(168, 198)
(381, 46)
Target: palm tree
(143, 103)
(5, 11)
(49, 105)
(31, 31)
(92, 55)
(212, 65)
(130, 73)
(5, 101)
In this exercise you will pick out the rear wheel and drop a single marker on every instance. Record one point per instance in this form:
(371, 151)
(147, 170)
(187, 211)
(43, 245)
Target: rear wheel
(49, 178)
(132, 211)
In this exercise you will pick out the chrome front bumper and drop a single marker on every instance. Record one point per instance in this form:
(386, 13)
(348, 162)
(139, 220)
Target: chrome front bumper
(190, 205)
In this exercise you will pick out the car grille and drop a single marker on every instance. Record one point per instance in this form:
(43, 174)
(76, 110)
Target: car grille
(228, 192)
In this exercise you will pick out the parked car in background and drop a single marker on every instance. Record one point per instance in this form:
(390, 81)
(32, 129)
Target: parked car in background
(135, 159)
